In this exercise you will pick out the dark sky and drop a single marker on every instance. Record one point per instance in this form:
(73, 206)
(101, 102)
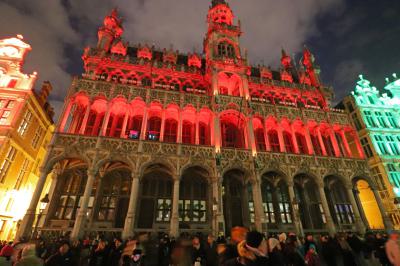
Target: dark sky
(348, 37)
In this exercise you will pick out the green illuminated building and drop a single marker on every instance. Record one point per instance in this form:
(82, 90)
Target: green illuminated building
(376, 116)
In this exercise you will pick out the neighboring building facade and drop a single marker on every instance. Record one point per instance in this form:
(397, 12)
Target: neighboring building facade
(376, 117)
(26, 127)
(156, 140)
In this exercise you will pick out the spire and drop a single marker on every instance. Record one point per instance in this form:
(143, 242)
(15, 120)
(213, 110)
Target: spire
(217, 2)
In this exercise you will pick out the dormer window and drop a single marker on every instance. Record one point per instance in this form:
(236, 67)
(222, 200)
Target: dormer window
(226, 49)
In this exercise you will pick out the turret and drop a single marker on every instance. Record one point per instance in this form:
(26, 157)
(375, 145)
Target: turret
(110, 32)
(312, 70)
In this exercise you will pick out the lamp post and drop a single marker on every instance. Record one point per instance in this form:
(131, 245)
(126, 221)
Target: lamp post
(43, 204)
(215, 211)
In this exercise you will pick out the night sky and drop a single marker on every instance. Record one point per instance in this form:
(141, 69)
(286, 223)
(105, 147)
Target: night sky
(347, 37)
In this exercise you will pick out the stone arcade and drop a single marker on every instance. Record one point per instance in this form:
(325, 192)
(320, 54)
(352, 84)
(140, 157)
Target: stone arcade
(155, 140)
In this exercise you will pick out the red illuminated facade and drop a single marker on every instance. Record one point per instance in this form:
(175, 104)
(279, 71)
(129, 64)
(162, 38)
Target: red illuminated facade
(200, 142)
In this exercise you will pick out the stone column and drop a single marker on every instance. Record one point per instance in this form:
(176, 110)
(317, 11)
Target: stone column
(124, 125)
(281, 140)
(386, 220)
(295, 144)
(357, 218)
(214, 82)
(75, 118)
(258, 207)
(321, 142)
(82, 212)
(217, 132)
(144, 124)
(329, 221)
(266, 138)
(250, 130)
(218, 217)
(197, 132)
(65, 116)
(162, 129)
(105, 121)
(27, 222)
(346, 143)
(85, 120)
(295, 213)
(52, 190)
(174, 227)
(131, 214)
(180, 123)
(335, 143)
(307, 135)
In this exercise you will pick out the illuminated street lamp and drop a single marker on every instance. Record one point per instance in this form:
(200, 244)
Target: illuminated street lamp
(43, 204)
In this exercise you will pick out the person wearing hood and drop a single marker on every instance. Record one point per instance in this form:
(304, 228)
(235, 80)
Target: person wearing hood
(392, 249)
(312, 258)
(28, 257)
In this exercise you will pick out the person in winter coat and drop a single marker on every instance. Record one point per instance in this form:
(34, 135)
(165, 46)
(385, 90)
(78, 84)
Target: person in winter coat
(347, 254)
(211, 251)
(291, 255)
(28, 257)
(380, 252)
(99, 255)
(312, 258)
(275, 252)
(116, 252)
(197, 252)
(309, 241)
(238, 234)
(7, 251)
(392, 249)
(328, 251)
(62, 258)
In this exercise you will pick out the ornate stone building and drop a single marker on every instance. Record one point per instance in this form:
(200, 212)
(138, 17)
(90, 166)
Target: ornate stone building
(158, 140)
(376, 117)
(26, 127)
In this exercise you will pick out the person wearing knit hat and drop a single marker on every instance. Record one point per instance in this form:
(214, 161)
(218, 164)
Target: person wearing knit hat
(312, 258)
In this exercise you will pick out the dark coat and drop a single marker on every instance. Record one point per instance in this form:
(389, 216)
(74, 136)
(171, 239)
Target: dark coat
(211, 254)
(60, 260)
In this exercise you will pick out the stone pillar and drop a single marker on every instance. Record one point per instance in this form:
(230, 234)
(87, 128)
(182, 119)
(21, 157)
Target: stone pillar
(295, 144)
(131, 214)
(214, 82)
(82, 212)
(65, 116)
(329, 221)
(358, 144)
(174, 227)
(162, 129)
(85, 120)
(75, 119)
(281, 140)
(386, 220)
(52, 190)
(197, 132)
(295, 213)
(217, 132)
(144, 124)
(180, 123)
(105, 121)
(218, 217)
(346, 143)
(124, 125)
(335, 143)
(321, 142)
(258, 207)
(357, 218)
(250, 130)
(27, 222)
(267, 143)
(307, 135)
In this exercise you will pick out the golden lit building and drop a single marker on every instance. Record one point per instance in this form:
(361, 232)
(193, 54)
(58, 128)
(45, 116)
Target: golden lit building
(26, 128)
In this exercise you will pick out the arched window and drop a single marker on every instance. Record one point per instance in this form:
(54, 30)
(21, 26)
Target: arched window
(301, 143)
(135, 127)
(274, 140)
(287, 137)
(223, 90)
(226, 49)
(154, 128)
(187, 87)
(72, 189)
(104, 76)
(146, 82)
(90, 123)
(340, 142)
(260, 139)
(187, 132)
(175, 86)
(203, 134)
(316, 144)
(328, 145)
(193, 199)
(268, 203)
(284, 203)
(170, 130)
(231, 136)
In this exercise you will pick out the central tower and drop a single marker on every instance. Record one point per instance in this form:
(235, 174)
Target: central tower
(226, 68)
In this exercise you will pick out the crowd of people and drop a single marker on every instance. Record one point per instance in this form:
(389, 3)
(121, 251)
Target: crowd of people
(241, 248)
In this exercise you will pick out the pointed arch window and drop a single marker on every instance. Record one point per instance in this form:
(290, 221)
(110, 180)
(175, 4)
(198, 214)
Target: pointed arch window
(287, 138)
(301, 143)
(170, 131)
(328, 145)
(226, 49)
(232, 136)
(274, 140)
(260, 139)
(316, 144)
(135, 127)
(284, 203)
(146, 82)
(154, 128)
(268, 203)
(203, 134)
(340, 142)
(187, 133)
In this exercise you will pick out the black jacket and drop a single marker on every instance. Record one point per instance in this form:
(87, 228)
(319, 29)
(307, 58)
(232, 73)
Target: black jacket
(60, 260)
